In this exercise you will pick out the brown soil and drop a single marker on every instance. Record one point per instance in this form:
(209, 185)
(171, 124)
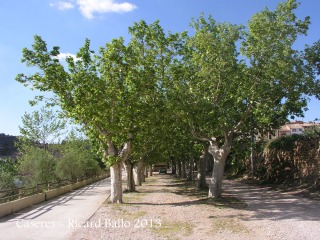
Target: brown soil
(168, 208)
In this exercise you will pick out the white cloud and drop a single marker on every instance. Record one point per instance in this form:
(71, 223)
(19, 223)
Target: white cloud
(63, 56)
(62, 5)
(89, 7)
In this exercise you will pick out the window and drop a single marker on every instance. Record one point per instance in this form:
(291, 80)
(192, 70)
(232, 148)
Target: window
(294, 130)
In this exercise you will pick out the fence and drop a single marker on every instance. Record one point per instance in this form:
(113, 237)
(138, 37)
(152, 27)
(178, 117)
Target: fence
(20, 198)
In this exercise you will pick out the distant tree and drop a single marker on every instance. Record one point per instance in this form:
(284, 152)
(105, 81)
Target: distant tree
(36, 165)
(36, 161)
(8, 171)
(77, 159)
(42, 126)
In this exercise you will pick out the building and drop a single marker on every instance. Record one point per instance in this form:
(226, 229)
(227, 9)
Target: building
(297, 127)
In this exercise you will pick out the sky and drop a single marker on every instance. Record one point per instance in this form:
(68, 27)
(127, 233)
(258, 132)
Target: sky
(67, 23)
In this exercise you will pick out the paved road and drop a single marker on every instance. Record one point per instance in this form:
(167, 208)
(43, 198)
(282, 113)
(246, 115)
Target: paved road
(57, 218)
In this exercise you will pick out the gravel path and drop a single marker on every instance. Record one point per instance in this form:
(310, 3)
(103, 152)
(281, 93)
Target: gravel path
(167, 208)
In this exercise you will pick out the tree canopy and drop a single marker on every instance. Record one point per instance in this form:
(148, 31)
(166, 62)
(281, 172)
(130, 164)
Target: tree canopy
(158, 90)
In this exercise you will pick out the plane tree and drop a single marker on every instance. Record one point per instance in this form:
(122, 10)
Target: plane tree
(112, 94)
(231, 75)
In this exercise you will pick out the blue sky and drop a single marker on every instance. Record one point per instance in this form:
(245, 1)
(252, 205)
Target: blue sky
(66, 23)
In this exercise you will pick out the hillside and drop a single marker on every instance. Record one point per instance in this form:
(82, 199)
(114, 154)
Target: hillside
(7, 145)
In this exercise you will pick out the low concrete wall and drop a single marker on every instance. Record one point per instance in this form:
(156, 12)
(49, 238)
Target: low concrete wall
(16, 205)
(78, 185)
(5, 209)
(58, 191)
(27, 201)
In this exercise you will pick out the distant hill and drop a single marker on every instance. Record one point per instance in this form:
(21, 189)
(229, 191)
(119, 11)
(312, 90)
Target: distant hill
(7, 145)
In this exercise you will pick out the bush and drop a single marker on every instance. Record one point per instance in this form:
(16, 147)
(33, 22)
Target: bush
(7, 173)
(284, 143)
(36, 166)
(77, 161)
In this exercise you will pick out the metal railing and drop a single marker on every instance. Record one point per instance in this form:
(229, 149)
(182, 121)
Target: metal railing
(18, 193)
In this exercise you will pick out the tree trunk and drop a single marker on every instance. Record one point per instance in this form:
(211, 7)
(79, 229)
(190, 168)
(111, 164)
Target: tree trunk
(183, 169)
(201, 176)
(130, 181)
(137, 173)
(146, 172)
(253, 155)
(220, 156)
(190, 170)
(116, 183)
(179, 169)
(209, 165)
(115, 174)
(143, 176)
(150, 169)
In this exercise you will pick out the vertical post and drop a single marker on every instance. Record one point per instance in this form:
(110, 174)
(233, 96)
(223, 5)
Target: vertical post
(20, 193)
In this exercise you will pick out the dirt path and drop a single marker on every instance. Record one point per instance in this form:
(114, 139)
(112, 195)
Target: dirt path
(278, 215)
(166, 208)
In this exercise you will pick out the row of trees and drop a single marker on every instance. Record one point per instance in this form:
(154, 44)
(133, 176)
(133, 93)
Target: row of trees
(42, 157)
(160, 94)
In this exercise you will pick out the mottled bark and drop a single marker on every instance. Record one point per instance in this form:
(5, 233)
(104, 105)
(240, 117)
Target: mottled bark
(138, 173)
(143, 176)
(146, 172)
(190, 170)
(220, 156)
(128, 166)
(116, 183)
(115, 174)
(179, 169)
(201, 176)
(183, 169)
(253, 155)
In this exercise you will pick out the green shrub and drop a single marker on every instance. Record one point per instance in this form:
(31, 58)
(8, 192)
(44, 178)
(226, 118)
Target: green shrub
(284, 143)
(36, 165)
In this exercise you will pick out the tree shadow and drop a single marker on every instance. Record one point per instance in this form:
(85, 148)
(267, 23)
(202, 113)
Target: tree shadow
(266, 203)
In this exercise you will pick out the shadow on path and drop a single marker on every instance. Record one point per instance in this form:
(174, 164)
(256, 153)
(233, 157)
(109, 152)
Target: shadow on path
(265, 203)
(35, 211)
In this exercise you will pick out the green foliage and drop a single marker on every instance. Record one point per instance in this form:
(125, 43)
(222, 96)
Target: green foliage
(284, 143)
(77, 160)
(218, 83)
(237, 160)
(312, 55)
(7, 181)
(312, 132)
(7, 173)
(71, 160)
(41, 126)
(36, 165)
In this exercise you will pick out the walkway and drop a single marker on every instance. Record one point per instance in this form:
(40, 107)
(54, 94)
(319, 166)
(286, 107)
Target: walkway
(279, 215)
(57, 218)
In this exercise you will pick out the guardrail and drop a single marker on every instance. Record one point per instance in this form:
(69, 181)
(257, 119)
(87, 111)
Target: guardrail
(18, 193)
(25, 197)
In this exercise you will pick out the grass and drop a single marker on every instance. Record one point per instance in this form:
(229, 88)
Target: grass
(188, 188)
(150, 180)
(171, 230)
(131, 197)
(227, 224)
(226, 201)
